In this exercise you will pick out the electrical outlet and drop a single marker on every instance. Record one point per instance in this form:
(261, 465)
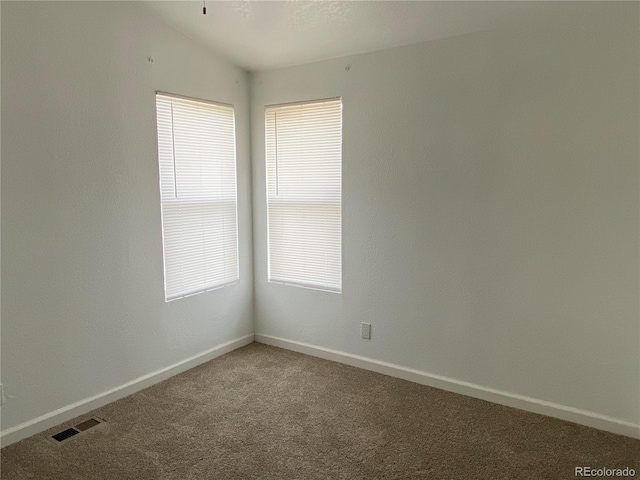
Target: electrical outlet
(365, 330)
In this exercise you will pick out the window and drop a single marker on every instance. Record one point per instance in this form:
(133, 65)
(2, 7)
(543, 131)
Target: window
(304, 193)
(197, 157)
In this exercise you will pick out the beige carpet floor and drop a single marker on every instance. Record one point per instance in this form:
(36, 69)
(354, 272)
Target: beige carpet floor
(266, 413)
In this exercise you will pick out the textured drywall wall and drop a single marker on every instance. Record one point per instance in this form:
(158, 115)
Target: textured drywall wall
(83, 307)
(490, 209)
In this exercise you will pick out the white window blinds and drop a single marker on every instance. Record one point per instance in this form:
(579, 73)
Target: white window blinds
(304, 194)
(197, 157)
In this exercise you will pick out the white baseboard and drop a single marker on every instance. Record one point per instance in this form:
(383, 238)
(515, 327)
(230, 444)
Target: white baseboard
(582, 417)
(37, 425)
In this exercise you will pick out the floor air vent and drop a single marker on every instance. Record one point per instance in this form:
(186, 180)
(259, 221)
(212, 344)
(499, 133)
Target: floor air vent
(87, 424)
(65, 434)
(81, 427)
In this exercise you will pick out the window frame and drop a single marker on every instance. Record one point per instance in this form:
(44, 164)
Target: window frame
(196, 201)
(308, 286)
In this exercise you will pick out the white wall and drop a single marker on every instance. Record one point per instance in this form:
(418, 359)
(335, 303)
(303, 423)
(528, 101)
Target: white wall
(490, 210)
(490, 207)
(83, 306)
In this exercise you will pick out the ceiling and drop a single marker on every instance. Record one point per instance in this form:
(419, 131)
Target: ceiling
(259, 35)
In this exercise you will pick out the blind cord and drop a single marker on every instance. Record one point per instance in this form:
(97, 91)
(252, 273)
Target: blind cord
(275, 122)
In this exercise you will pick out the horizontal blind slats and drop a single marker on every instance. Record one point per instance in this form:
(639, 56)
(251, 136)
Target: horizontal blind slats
(196, 150)
(304, 193)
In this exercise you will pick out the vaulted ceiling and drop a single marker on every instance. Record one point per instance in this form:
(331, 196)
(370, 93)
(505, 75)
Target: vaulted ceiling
(260, 35)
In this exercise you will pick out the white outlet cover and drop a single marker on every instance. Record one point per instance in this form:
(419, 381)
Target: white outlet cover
(365, 331)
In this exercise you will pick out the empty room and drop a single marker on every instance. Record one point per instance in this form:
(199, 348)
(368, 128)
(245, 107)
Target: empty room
(320, 240)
